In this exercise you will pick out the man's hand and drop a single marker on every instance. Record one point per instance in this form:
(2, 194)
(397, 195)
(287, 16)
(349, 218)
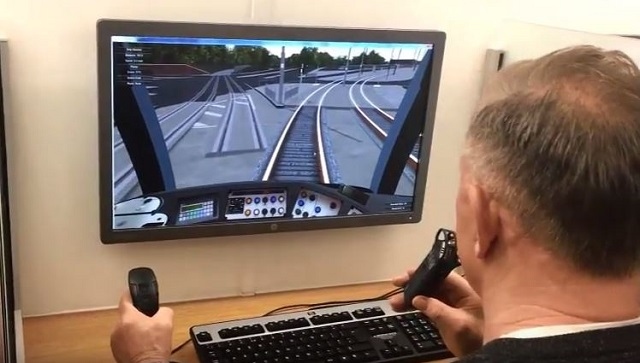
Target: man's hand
(138, 338)
(456, 310)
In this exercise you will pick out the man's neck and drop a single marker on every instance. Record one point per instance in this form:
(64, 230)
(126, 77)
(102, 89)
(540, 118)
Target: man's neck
(553, 296)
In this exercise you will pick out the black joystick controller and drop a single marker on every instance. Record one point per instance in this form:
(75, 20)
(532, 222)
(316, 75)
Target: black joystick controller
(143, 287)
(438, 264)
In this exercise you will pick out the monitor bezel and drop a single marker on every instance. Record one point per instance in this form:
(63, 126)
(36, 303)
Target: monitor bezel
(106, 28)
(8, 319)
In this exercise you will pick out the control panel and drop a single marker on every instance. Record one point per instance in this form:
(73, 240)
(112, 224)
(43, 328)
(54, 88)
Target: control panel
(312, 204)
(242, 203)
(256, 204)
(197, 211)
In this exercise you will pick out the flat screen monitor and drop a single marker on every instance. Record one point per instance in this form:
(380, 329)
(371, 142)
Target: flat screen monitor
(226, 129)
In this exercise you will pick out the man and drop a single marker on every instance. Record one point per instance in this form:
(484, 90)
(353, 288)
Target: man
(546, 217)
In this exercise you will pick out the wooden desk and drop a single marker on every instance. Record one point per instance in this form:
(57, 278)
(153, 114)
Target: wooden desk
(84, 337)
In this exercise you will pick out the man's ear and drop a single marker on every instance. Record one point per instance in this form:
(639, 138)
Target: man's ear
(486, 214)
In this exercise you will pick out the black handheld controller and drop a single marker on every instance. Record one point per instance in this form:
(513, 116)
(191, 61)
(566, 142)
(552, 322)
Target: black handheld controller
(438, 264)
(143, 287)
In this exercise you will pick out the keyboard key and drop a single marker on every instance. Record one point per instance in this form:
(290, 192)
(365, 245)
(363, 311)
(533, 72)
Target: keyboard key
(287, 324)
(330, 318)
(425, 346)
(367, 313)
(241, 331)
(204, 337)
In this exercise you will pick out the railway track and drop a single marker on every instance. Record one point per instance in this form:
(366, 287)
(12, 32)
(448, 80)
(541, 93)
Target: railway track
(382, 113)
(161, 118)
(258, 134)
(299, 153)
(125, 178)
(378, 120)
(186, 104)
(237, 99)
(217, 145)
(385, 115)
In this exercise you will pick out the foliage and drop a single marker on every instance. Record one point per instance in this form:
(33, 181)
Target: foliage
(222, 57)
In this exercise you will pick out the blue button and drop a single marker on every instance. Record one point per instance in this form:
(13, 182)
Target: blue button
(301, 202)
(318, 209)
(256, 200)
(273, 199)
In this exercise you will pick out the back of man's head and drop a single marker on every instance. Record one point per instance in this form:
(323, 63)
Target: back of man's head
(557, 142)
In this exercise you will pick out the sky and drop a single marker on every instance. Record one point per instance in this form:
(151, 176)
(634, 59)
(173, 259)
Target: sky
(338, 51)
(291, 46)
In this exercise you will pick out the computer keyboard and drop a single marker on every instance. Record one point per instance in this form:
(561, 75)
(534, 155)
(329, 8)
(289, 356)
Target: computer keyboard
(363, 332)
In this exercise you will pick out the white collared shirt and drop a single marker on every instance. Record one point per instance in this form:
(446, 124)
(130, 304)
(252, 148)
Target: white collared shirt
(547, 331)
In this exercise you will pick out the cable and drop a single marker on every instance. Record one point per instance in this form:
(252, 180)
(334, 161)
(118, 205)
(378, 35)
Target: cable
(313, 306)
(328, 304)
(176, 349)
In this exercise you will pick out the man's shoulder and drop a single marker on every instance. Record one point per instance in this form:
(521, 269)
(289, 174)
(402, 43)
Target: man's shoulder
(598, 346)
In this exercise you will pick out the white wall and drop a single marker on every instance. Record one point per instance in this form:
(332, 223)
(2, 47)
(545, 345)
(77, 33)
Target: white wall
(525, 41)
(63, 266)
(596, 16)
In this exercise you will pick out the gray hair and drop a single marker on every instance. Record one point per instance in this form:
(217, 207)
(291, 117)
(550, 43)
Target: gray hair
(557, 141)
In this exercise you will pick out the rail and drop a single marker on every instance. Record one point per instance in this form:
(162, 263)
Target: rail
(161, 118)
(294, 127)
(380, 133)
(123, 181)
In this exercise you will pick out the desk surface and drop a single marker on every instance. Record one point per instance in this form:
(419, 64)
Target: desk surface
(84, 337)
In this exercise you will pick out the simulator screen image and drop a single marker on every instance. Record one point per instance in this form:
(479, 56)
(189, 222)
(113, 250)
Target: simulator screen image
(215, 130)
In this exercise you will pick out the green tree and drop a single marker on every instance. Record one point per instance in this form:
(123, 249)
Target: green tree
(340, 61)
(308, 56)
(311, 58)
(324, 59)
(369, 58)
(374, 58)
